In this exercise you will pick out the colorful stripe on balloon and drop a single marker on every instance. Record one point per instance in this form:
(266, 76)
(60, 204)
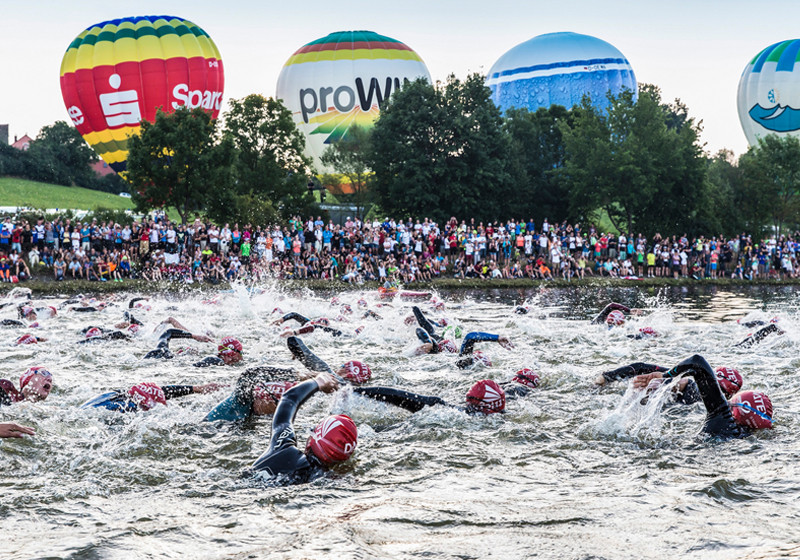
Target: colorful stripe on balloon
(351, 45)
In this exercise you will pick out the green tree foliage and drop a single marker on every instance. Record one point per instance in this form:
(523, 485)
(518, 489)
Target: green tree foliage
(725, 210)
(441, 151)
(536, 154)
(348, 157)
(771, 181)
(270, 171)
(59, 155)
(179, 161)
(641, 163)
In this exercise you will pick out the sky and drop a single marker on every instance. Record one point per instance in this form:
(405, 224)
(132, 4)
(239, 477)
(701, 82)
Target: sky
(693, 50)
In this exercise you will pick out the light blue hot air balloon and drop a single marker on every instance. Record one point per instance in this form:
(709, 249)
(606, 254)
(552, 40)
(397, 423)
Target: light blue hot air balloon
(558, 69)
(769, 92)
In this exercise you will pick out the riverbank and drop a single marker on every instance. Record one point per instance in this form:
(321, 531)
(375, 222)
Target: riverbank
(51, 288)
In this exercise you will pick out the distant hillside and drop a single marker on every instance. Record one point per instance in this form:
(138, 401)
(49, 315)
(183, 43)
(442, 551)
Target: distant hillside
(21, 192)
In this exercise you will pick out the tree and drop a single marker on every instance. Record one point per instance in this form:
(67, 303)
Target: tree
(536, 154)
(771, 176)
(270, 171)
(59, 155)
(179, 161)
(348, 156)
(641, 162)
(725, 210)
(441, 151)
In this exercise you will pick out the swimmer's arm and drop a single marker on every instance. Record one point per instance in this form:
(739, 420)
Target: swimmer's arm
(625, 372)
(423, 321)
(404, 399)
(719, 419)
(469, 341)
(209, 361)
(292, 316)
(132, 302)
(282, 422)
(131, 319)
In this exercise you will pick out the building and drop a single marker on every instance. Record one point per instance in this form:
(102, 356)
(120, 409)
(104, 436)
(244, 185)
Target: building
(22, 143)
(102, 169)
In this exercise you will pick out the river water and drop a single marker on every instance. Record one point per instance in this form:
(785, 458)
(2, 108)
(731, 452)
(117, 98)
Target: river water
(569, 472)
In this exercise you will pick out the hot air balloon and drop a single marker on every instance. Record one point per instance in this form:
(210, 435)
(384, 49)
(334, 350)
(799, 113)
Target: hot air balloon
(119, 72)
(342, 80)
(769, 92)
(559, 69)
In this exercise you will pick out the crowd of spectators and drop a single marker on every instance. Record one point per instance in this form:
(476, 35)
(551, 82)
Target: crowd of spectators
(406, 251)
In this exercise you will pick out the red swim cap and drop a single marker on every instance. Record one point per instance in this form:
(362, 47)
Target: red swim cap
(272, 391)
(615, 318)
(362, 303)
(53, 309)
(27, 339)
(729, 380)
(93, 332)
(482, 358)
(527, 377)
(27, 310)
(26, 377)
(323, 321)
(447, 346)
(230, 350)
(486, 396)
(133, 328)
(334, 439)
(648, 331)
(752, 408)
(147, 395)
(357, 372)
(347, 310)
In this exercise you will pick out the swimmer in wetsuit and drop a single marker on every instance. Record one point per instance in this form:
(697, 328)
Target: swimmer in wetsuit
(145, 396)
(162, 350)
(745, 412)
(760, 335)
(468, 357)
(307, 326)
(97, 334)
(30, 313)
(334, 440)
(34, 385)
(433, 343)
(257, 392)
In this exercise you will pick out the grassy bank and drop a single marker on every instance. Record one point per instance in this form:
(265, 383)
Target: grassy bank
(31, 194)
(42, 287)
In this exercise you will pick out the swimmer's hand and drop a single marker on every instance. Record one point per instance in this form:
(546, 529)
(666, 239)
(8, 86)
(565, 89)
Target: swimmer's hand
(202, 338)
(326, 382)
(12, 430)
(208, 388)
(600, 380)
(505, 342)
(642, 381)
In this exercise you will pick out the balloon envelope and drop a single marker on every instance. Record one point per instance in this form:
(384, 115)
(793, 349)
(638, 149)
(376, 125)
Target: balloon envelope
(119, 72)
(559, 69)
(342, 80)
(768, 100)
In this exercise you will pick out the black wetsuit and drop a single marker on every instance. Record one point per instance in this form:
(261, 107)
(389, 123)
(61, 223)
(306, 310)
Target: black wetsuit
(105, 336)
(607, 310)
(11, 323)
(520, 310)
(304, 320)
(759, 336)
(689, 395)
(134, 300)
(465, 354)
(120, 401)
(719, 420)
(131, 319)
(283, 459)
(162, 351)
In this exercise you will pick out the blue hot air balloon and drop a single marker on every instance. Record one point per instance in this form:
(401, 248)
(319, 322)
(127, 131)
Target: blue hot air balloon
(559, 69)
(769, 92)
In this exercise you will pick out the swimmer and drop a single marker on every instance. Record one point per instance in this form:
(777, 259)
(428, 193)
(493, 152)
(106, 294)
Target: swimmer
(468, 357)
(685, 390)
(162, 350)
(432, 343)
(353, 371)
(12, 430)
(760, 335)
(34, 385)
(229, 352)
(522, 309)
(144, 396)
(257, 392)
(28, 338)
(746, 411)
(334, 440)
(97, 334)
(307, 325)
(30, 313)
(614, 311)
(12, 323)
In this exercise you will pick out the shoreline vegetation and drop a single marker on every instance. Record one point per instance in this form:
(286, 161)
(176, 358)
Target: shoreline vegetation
(52, 288)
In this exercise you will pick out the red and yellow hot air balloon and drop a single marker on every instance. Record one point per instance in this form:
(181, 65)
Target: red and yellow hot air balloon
(117, 73)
